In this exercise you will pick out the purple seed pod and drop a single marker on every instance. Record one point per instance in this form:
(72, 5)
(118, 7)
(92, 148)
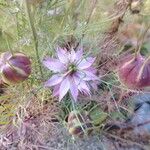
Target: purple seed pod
(79, 124)
(134, 72)
(14, 67)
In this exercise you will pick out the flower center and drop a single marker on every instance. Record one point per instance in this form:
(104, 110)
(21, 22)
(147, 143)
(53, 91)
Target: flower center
(72, 68)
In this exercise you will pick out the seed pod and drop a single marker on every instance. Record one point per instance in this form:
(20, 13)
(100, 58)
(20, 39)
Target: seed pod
(136, 6)
(129, 34)
(134, 72)
(14, 67)
(79, 124)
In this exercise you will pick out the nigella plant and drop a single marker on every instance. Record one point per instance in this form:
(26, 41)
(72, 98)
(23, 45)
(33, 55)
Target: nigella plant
(73, 73)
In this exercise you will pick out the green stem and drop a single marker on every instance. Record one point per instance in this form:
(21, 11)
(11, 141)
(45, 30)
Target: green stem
(8, 43)
(34, 34)
(87, 22)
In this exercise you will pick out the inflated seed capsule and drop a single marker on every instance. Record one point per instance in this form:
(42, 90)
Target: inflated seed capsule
(79, 124)
(15, 67)
(136, 6)
(134, 72)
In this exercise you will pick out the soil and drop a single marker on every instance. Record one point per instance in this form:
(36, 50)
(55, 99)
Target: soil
(63, 141)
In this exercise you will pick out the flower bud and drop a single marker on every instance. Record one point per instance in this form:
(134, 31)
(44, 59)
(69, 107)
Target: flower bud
(134, 72)
(136, 6)
(79, 124)
(14, 67)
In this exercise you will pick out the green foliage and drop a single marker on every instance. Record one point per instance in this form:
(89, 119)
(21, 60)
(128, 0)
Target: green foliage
(98, 116)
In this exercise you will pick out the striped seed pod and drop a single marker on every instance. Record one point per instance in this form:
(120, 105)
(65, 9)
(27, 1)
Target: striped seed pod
(79, 124)
(134, 72)
(15, 67)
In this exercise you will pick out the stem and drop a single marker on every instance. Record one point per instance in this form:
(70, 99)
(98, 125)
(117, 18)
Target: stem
(34, 34)
(8, 43)
(87, 22)
(82, 117)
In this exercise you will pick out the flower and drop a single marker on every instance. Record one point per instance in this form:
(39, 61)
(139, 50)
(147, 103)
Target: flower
(73, 73)
(14, 68)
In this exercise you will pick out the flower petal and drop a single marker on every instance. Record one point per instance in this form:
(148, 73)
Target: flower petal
(92, 70)
(79, 54)
(76, 78)
(86, 75)
(94, 85)
(54, 65)
(56, 90)
(83, 88)
(74, 90)
(64, 88)
(86, 63)
(72, 56)
(54, 80)
(62, 55)
(89, 76)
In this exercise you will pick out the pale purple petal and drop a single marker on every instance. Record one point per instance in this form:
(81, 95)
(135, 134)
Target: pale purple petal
(80, 75)
(74, 91)
(54, 65)
(83, 88)
(76, 78)
(54, 80)
(72, 56)
(94, 85)
(56, 90)
(86, 63)
(89, 76)
(79, 54)
(86, 75)
(62, 55)
(91, 69)
(64, 88)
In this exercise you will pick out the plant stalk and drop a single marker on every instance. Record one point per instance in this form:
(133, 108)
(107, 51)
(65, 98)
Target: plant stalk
(87, 22)
(34, 34)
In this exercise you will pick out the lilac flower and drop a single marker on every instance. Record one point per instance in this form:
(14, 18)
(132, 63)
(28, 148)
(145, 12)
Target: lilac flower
(72, 72)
